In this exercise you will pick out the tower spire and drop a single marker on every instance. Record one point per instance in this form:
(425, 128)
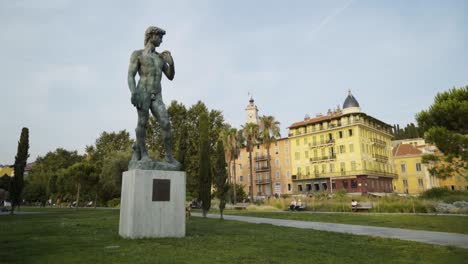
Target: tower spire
(251, 111)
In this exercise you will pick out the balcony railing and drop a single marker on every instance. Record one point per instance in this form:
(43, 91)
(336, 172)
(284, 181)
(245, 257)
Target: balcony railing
(380, 158)
(262, 168)
(321, 144)
(379, 142)
(308, 175)
(262, 181)
(346, 174)
(323, 158)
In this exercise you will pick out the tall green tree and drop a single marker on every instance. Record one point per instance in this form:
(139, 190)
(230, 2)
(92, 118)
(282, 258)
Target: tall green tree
(228, 137)
(55, 160)
(205, 166)
(446, 125)
(66, 188)
(46, 167)
(192, 161)
(185, 138)
(110, 179)
(192, 143)
(17, 183)
(84, 176)
(35, 191)
(409, 131)
(238, 141)
(250, 132)
(5, 182)
(154, 142)
(221, 176)
(107, 144)
(269, 133)
(178, 116)
(52, 187)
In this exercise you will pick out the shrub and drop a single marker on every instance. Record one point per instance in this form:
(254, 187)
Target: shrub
(114, 202)
(445, 195)
(240, 193)
(435, 193)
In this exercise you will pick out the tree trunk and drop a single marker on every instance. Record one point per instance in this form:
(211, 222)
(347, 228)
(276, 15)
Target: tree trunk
(95, 200)
(235, 186)
(78, 196)
(251, 176)
(269, 167)
(221, 212)
(229, 178)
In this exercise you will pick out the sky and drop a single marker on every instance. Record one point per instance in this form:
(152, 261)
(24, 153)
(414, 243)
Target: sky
(64, 63)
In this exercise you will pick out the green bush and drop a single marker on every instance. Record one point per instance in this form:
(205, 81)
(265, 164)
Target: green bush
(114, 202)
(240, 193)
(445, 195)
(435, 193)
(322, 202)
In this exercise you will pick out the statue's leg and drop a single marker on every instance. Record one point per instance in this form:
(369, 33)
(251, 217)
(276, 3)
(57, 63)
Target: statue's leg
(160, 113)
(136, 152)
(140, 131)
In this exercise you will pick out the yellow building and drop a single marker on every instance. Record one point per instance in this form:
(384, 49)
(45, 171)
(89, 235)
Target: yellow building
(413, 175)
(347, 147)
(9, 171)
(267, 180)
(456, 182)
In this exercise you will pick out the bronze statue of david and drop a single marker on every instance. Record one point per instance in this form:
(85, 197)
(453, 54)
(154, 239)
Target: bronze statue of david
(146, 97)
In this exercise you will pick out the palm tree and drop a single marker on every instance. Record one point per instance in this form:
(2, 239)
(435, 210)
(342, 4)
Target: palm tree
(250, 131)
(226, 138)
(269, 132)
(236, 145)
(228, 135)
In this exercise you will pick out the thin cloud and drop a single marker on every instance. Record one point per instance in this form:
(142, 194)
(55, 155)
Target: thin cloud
(329, 18)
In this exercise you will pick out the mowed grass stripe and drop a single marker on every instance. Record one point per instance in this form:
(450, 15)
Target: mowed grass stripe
(90, 236)
(440, 223)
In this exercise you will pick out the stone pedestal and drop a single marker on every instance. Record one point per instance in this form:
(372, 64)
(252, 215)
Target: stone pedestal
(152, 204)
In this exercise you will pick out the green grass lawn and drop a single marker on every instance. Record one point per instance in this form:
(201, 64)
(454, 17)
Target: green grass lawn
(91, 236)
(441, 223)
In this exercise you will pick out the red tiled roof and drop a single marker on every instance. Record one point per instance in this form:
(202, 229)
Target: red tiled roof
(405, 149)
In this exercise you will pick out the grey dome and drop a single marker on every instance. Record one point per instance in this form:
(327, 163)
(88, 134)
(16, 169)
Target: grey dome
(350, 101)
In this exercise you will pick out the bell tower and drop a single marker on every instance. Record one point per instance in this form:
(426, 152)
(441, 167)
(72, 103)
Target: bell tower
(251, 112)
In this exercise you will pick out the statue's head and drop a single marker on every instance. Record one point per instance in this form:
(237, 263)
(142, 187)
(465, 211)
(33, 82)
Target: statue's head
(154, 31)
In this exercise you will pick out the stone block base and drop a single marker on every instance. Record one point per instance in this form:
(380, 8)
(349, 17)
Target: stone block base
(152, 204)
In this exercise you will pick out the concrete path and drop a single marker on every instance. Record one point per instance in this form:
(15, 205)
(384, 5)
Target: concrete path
(438, 238)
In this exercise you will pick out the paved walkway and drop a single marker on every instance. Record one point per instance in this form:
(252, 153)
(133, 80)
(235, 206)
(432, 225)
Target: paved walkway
(438, 238)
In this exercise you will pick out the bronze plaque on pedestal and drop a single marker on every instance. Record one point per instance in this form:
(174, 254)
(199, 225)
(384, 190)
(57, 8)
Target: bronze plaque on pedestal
(161, 190)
